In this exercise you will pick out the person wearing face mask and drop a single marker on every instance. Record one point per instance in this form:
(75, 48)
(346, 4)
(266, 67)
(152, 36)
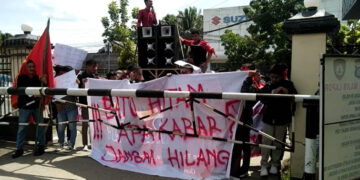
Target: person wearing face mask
(147, 16)
(277, 116)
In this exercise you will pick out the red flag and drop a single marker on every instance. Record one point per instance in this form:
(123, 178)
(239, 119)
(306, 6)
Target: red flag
(41, 56)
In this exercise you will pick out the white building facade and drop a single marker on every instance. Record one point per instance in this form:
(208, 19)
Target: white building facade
(333, 7)
(219, 18)
(222, 17)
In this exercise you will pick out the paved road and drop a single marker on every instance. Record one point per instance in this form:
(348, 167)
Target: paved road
(74, 165)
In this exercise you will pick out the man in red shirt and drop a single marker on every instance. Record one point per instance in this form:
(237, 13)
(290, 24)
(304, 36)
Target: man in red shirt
(147, 16)
(200, 50)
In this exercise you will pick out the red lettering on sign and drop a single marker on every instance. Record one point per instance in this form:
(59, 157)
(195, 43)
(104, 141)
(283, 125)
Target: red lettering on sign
(188, 128)
(201, 158)
(201, 127)
(123, 133)
(212, 125)
(146, 134)
(199, 89)
(107, 105)
(97, 126)
(154, 103)
(187, 159)
(223, 157)
(173, 158)
(176, 129)
(113, 155)
(207, 157)
(134, 133)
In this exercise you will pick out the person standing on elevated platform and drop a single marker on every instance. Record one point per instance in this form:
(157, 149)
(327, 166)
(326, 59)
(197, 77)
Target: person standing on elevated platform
(147, 16)
(200, 50)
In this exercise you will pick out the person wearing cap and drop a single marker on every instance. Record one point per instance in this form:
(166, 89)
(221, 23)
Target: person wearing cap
(276, 118)
(200, 50)
(122, 75)
(185, 69)
(147, 16)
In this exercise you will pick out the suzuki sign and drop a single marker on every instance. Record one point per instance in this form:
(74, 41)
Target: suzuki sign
(228, 19)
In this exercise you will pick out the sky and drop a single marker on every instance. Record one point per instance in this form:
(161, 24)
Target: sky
(77, 22)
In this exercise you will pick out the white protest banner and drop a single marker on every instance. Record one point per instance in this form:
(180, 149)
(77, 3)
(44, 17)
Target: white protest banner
(67, 80)
(68, 56)
(165, 154)
(258, 124)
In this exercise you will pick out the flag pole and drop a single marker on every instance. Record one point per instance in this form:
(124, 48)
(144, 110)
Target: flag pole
(42, 99)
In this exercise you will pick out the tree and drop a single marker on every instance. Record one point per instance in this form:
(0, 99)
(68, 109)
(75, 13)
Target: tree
(347, 40)
(191, 18)
(170, 19)
(243, 49)
(4, 36)
(118, 34)
(134, 15)
(272, 44)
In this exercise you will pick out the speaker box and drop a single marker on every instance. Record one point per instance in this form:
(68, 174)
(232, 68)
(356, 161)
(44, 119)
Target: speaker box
(167, 46)
(147, 47)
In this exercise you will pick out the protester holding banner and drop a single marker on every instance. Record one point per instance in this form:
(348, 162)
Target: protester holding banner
(201, 51)
(135, 74)
(112, 76)
(90, 72)
(66, 112)
(147, 16)
(252, 84)
(277, 117)
(31, 79)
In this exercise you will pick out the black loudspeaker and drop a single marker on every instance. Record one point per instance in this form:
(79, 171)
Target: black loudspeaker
(147, 47)
(167, 46)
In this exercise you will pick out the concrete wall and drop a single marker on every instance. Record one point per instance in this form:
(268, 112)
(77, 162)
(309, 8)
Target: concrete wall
(306, 53)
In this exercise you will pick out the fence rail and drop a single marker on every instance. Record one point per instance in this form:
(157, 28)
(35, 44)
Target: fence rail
(37, 91)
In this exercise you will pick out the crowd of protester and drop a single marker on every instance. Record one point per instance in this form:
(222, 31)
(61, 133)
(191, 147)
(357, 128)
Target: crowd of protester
(277, 115)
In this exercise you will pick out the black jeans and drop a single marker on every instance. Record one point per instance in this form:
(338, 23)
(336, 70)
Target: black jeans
(241, 150)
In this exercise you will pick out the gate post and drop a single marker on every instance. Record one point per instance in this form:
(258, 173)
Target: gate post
(308, 32)
(312, 130)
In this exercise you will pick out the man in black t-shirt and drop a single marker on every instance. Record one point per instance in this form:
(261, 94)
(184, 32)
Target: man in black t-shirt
(200, 50)
(90, 72)
(29, 106)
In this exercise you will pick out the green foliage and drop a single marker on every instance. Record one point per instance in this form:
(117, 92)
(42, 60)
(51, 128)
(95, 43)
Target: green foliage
(135, 12)
(118, 34)
(127, 55)
(267, 43)
(344, 41)
(191, 18)
(170, 19)
(4, 36)
(186, 20)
